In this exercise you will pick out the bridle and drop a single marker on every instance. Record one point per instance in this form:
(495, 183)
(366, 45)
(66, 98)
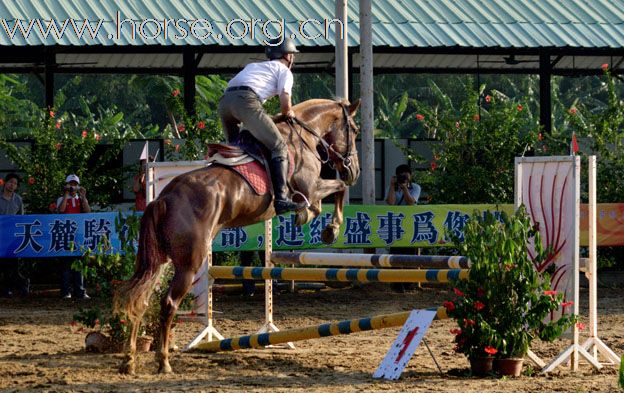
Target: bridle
(329, 149)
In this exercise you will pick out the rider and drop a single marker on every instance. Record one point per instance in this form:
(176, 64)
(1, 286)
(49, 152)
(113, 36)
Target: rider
(242, 102)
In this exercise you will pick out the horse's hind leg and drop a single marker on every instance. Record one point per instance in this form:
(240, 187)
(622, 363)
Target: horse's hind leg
(180, 285)
(129, 364)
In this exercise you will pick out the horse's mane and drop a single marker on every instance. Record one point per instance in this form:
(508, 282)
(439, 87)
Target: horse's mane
(308, 110)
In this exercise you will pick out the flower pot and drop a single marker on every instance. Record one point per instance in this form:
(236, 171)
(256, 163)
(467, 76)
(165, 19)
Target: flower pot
(509, 366)
(144, 343)
(97, 342)
(481, 366)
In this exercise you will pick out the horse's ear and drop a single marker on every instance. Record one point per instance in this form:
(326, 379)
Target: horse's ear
(354, 107)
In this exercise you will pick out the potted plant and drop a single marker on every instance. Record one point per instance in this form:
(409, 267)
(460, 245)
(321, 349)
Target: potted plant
(503, 305)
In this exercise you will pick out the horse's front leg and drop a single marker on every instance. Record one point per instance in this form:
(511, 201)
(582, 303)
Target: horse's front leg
(331, 231)
(324, 188)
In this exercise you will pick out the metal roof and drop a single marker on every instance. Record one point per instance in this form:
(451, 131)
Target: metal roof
(409, 35)
(396, 23)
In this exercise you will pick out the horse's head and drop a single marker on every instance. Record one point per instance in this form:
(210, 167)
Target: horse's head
(341, 139)
(333, 121)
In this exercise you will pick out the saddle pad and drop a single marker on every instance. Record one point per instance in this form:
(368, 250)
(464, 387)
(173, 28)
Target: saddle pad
(253, 172)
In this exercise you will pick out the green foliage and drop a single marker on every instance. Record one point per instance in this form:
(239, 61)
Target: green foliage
(621, 375)
(195, 131)
(475, 147)
(504, 303)
(62, 145)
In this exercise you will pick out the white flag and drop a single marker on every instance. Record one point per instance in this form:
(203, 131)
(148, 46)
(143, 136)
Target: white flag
(145, 152)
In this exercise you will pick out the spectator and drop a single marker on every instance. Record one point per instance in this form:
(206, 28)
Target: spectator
(11, 204)
(402, 191)
(138, 186)
(73, 201)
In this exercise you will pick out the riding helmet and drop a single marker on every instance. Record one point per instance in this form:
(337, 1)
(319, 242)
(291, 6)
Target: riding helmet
(276, 50)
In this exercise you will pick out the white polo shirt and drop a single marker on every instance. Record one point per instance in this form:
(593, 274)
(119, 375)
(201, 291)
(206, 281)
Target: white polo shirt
(267, 78)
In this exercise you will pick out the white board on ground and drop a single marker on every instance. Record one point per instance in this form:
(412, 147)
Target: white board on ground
(405, 344)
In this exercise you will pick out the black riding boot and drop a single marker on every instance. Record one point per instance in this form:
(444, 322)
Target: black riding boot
(279, 173)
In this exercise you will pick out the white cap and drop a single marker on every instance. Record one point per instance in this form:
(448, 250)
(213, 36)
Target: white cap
(72, 177)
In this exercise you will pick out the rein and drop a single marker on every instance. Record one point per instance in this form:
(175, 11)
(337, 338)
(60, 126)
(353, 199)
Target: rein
(329, 149)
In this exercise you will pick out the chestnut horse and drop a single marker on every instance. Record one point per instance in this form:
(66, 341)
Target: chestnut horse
(180, 224)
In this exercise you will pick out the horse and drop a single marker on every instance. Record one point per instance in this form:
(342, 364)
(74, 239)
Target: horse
(179, 226)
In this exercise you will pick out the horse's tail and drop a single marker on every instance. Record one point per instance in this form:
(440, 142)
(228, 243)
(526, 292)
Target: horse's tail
(132, 296)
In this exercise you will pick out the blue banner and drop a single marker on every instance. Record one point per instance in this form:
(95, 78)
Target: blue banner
(56, 235)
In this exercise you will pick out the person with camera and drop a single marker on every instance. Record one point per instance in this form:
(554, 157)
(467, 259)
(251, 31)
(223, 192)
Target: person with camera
(73, 201)
(402, 191)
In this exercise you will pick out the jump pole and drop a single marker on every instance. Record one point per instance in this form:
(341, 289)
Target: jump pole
(312, 332)
(594, 344)
(269, 325)
(348, 275)
(371, 260)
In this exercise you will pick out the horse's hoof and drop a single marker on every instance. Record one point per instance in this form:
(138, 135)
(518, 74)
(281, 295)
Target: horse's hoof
(165, 369)
(127, 368)
(301, 217)
(329, 234)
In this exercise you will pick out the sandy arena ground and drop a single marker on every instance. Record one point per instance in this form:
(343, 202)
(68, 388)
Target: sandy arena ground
(39, 353)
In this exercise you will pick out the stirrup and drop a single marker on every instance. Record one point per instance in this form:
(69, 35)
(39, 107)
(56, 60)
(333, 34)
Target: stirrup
(284, 205)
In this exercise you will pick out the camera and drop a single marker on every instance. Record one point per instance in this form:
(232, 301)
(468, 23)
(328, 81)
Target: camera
(402, 178)
(72, 188)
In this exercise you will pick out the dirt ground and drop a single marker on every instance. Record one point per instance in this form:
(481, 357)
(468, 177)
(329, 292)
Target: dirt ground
(39, 352)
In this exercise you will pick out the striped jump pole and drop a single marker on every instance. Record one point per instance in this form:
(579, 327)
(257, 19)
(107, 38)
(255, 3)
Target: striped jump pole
(350, 275)
(371, 260)
(312, 332)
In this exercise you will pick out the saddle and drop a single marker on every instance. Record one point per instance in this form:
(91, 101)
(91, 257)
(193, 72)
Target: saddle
(249, 158)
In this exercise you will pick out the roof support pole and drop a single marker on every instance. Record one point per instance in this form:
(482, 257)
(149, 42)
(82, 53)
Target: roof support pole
(367, 175)
(545, 73)
(190, 71)
(341, 51)
(50, 61)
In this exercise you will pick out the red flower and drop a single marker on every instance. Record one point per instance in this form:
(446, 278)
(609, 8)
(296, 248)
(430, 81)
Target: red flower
(458, 292)
(31, 180)
(51, 113)
(122, 321)
(58, 124)
(572, 111)
(550, 293)
(580, 325)
(420, 117)
(567, 304)
(469, 322)
(97, 137)
(540, 137)
(488, 99)
(476, 117)
(480, 292)
(479, 306)
(456, 332)
(84, 134)
(490, 350)
(434, 165)
(605, 67)
(52, 207)
(181, 127)
(97, 321)
(450, 306)
(1, 182)
(175, 92)
(58, 146)
(201, 125)
(519, 107)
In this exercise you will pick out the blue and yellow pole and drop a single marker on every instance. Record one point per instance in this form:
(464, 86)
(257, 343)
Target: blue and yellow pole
(351, 275)
(312, 332)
